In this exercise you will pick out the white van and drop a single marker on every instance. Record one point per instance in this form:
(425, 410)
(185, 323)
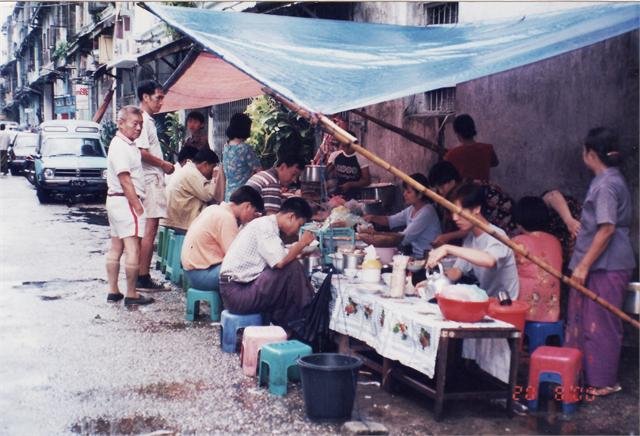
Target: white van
(70, 160)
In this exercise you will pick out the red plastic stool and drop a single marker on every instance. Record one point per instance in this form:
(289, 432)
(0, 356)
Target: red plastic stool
(560, 365)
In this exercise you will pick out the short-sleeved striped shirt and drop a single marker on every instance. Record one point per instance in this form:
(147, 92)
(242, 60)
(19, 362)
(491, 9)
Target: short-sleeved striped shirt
(268, 185)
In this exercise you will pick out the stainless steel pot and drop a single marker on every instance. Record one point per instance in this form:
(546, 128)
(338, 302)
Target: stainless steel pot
(373, 207)
(313, 173)
(383, 192)
(632, 299)
(311, 263)
(352, 260)
(338, 261)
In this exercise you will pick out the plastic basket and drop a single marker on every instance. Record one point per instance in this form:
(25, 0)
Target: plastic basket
(330, 238)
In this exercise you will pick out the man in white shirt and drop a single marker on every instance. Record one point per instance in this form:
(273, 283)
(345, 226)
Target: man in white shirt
(125, 182)
(5, 140)
(155, 167)
(258, 275)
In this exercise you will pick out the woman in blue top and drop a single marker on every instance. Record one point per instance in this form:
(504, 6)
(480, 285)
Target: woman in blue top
(603, 259)
(420, 222)
(239, 161)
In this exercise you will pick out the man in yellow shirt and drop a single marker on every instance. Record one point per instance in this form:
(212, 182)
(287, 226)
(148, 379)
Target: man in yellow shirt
(190, 189)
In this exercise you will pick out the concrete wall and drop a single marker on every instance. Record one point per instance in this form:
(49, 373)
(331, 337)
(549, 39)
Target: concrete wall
(404, 154)
(538, 115)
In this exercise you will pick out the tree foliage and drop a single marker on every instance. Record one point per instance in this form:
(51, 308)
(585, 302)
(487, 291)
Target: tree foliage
(275, 128)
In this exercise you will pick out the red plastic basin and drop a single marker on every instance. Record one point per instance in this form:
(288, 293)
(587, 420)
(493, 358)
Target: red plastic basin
(462, 311)
(515, 314)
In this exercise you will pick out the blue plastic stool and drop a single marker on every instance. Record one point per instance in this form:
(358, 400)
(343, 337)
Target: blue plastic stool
(278, 363)
(173, 270)
(552, 377)
(195, 296)
(539, 332)
(162, 230)
(231, 323)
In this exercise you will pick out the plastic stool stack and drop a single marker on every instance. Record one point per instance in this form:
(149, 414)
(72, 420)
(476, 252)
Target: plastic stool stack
(560, 365)
(173, 269)
(278, 364)
(231, 323)
(162, 232)
(253, 339)
(539, 332)
(195, 296)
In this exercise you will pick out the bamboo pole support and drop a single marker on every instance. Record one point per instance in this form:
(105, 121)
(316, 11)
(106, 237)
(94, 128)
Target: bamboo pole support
(423, 142)
(344, 137)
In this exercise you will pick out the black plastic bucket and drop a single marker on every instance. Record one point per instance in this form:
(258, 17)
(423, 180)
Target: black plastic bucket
(329, 383)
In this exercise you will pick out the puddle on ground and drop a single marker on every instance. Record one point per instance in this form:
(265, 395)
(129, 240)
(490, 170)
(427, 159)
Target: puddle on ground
(41, 284)
(50, 297)
(131, 425)
(171, 391)
(90, 215)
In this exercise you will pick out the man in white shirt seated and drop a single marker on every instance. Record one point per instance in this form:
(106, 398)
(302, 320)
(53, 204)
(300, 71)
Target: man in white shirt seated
(258, 275)
(190, 190)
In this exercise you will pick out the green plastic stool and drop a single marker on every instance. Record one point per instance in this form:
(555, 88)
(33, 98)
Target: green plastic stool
(165, 249)
(195, 296)
(185, 282)
(278, 363)
(162, 230)
(173, 271)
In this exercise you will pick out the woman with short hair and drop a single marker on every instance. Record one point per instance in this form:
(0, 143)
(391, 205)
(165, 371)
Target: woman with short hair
(239, 161)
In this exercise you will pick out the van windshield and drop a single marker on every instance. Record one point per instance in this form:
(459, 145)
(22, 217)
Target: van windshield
(72, 147)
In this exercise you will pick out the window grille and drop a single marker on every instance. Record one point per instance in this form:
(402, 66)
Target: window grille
(221, 115)
(432, 103)
(442, 13)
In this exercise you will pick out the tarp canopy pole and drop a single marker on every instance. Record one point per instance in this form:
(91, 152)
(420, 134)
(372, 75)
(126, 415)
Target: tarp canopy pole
(344, 137)
(436, 148)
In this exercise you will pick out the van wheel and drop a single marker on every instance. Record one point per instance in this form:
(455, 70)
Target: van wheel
(43, 196)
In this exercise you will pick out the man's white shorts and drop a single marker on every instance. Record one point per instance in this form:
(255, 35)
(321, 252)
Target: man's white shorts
(123, 221)
(155, 200)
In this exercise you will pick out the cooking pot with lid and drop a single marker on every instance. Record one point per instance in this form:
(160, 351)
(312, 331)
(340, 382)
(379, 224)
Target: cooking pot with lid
(313, 173)
(632, 299)
(383, 192)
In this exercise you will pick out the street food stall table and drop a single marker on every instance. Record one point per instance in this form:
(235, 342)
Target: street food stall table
(414, 333)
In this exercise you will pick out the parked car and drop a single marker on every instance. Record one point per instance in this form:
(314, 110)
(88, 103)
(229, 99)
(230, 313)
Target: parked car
(21, 152)
(70, 160)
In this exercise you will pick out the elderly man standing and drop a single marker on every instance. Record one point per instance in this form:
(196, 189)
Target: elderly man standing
(155, 167)
(190, 189)
(125, 181)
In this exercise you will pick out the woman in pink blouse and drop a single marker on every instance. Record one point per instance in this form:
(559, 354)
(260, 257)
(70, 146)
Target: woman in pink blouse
(537, 287)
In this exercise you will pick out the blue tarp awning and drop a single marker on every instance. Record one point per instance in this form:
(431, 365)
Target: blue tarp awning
(331, 66)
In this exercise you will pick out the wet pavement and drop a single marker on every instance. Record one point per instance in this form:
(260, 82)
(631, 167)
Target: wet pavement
(70, 363)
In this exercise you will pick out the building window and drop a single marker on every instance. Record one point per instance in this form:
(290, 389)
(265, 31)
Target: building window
(432, 103)
(221, 115)
(442, 13)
